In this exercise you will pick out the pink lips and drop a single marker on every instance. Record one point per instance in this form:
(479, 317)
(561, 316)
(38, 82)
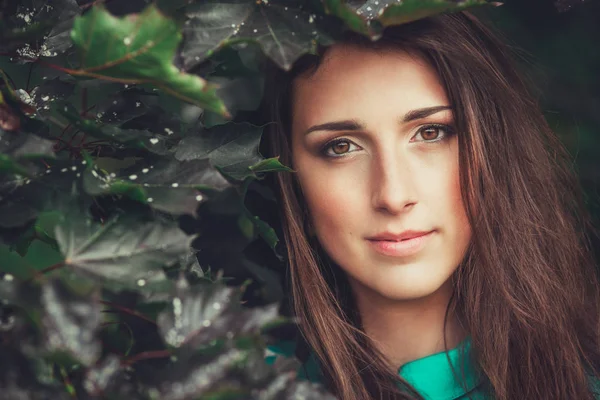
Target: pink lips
(405, 244)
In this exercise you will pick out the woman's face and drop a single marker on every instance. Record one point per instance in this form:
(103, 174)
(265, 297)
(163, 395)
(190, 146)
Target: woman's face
(377, 157)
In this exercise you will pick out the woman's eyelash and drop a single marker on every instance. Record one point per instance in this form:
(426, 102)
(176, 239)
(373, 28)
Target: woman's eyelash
(446, 128)
(327, 148)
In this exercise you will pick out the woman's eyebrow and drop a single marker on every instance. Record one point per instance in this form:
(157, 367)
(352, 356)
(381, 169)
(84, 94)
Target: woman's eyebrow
(421, 113)
(356, 125)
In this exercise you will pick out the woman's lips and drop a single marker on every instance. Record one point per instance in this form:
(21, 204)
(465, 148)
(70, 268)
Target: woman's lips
(401, 248)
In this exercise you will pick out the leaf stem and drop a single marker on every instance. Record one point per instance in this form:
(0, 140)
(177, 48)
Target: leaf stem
(49, 269)
(127, 311)
(147, 355)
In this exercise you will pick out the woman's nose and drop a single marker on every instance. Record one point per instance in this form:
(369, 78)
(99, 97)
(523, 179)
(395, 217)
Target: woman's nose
(393, 186)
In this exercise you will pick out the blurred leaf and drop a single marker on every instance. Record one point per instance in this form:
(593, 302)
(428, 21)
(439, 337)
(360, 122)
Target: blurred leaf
(201, 313)
(99, 378)
(9, 120)
(285, 387)
(70, 322)
(566, 5)
(138, 49)
(16, 148)
(24, 146)
(51, 20)
(195, 376)
(19, 381)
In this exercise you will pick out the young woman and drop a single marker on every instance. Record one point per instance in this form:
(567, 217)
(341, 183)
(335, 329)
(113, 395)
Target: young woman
(434, 229)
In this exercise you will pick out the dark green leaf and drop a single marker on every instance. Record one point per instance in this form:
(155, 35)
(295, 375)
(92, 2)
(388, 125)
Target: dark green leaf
(35, 232)
(124, 251)
(25, 146)
(176, 187)
(138, 49)
(280, 27)
(50, 91)
(17, 148)
(125, 106)
(142, 139)
(233, 147)
(265, 231)
(15, 208)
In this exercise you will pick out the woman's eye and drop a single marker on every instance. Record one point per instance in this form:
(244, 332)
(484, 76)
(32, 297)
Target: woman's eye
(433, 133)
(339, 148)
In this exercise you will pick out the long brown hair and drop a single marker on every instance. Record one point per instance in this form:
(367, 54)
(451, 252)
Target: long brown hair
(527, 290)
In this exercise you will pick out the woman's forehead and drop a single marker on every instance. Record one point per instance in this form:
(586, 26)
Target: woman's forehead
(343, 55)
(356, 81)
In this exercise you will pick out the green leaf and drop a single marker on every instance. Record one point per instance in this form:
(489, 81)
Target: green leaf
(265, 231)
(355, 22)
(411, 10)
(270, 165)
(35, 232)
(123, 251)
(281, 27)
(138, 49)
(373, 15)
(9, 165)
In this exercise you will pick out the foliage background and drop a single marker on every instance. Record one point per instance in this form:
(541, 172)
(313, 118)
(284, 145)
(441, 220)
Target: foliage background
(559, 52)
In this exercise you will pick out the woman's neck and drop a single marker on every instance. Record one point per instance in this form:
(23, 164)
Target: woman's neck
(406, 330)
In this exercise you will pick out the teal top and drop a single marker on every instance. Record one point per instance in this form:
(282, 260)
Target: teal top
(433, 376)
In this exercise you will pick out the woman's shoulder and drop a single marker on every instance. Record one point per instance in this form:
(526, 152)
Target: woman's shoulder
(309, 368)
(284, 348)
(594, 382)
